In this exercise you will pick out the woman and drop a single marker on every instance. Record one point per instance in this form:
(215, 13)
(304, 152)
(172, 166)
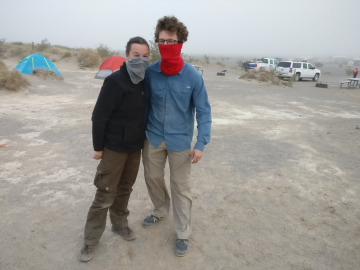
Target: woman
(118, 137)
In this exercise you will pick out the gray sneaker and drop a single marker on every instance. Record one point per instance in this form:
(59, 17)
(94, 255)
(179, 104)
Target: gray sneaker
(86, 253)
(126, 233)
(181, 247)
(151, 220)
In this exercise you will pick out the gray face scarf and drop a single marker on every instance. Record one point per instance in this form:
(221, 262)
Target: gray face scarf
(136, 68)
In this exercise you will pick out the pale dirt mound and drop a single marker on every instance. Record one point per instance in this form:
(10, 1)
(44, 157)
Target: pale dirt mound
(262, 75)
(46, 74)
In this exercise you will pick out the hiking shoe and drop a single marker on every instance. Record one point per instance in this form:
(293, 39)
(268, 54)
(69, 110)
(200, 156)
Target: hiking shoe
(126, 233)
(181, 247)
(151, 220)
(86, 253)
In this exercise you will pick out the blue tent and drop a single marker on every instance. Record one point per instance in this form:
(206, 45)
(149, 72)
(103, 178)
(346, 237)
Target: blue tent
(36, 61)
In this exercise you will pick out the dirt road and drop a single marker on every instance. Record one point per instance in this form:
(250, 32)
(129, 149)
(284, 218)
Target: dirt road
(277, 188)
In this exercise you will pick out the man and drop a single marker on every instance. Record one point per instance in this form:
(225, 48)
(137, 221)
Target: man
(355, 72)
(118, 137)
(174, 91)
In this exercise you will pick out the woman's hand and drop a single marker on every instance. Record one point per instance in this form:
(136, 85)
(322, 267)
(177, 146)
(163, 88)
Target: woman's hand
(98, 155)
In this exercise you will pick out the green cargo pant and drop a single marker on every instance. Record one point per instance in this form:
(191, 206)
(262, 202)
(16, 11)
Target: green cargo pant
(115, 176)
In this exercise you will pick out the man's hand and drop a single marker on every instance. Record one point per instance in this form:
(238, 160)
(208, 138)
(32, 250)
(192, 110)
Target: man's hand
(196, 156)
(98, 155)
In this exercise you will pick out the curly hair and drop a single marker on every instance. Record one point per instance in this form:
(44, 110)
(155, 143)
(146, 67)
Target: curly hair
(171, 24)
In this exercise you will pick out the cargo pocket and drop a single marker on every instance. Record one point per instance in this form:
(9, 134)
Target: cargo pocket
(104, 181)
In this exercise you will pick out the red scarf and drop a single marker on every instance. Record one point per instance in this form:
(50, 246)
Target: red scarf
(171, 61)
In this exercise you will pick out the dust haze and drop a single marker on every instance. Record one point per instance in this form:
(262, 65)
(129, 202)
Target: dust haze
(227, 28)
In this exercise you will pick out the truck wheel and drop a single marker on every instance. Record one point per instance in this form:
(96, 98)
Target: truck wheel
(297, 77)
(316, 77)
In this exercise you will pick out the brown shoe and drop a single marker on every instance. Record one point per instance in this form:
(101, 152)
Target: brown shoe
(86, 253)
(126, 233)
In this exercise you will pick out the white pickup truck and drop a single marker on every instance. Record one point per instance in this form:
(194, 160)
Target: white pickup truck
(268, 63)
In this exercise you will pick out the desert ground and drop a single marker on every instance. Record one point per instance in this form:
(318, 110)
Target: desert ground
(277, 188)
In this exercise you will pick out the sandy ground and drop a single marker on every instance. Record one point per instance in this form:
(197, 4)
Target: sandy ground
(277, 188)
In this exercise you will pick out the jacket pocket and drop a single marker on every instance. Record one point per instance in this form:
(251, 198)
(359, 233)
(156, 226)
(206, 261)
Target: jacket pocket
(104, 181)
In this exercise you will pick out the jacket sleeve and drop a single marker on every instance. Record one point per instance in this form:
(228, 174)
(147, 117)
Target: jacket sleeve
(147, 97)
(203, 114)
(109, 97)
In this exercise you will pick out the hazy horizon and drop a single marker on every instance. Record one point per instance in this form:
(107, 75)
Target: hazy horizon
(216, 28)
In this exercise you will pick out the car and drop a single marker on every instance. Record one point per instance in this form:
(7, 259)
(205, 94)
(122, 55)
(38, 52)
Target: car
(300, 70)
(267, 63)
(247, 65)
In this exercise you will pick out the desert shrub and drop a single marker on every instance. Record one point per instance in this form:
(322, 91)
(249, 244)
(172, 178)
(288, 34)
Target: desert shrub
(188, 58)
(17, 43)
(154, 52)
(46, 74)
(88, 58)
(263, 75)
(2, 66)
(66, 54)
(104, 51)
(44, 44)
(54, 50)
(11, 80)
(2, 47)
(17, 51)
(206, 59)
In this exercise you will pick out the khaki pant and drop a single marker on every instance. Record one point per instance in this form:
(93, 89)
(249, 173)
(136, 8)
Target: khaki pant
(180, 167)
(115, 176)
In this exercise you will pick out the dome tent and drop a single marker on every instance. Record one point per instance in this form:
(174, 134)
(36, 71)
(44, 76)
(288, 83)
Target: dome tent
(36, 61)
(110, 65)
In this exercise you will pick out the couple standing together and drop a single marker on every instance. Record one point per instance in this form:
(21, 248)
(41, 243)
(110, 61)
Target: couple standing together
(172, 92)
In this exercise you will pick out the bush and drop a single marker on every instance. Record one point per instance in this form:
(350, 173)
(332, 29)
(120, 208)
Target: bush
(11, 80)
(206, 59)
(88, 58)
(19, 51)
(46, 74)
(189, 59)
(2, 47)
(104, 51)
(45, 44)
(154, 52)
(66, 54)
(54, 50)
(2, 66)
(266, 76)
(19, 43)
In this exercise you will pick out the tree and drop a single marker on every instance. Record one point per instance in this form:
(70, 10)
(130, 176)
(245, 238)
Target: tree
(45, 44)
(104, 51)
(154, 52)
(206, 59)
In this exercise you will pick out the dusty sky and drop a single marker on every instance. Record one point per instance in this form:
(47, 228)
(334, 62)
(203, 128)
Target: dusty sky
(216, 27)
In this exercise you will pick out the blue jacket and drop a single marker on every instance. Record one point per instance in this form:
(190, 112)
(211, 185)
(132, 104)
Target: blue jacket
(171, 104)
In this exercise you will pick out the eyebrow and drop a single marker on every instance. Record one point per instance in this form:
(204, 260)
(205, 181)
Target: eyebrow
(140, 53)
